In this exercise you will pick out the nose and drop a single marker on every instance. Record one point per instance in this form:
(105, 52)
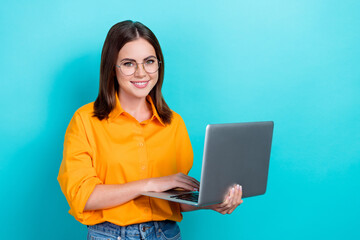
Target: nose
(140, 70)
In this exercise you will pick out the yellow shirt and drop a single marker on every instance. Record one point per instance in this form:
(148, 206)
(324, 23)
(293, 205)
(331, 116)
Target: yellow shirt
(119, 150)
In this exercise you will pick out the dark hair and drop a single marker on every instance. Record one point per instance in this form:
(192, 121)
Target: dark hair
(118, 35)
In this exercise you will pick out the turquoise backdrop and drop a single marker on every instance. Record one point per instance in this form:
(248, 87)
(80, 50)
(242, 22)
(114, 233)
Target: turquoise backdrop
(294, 62)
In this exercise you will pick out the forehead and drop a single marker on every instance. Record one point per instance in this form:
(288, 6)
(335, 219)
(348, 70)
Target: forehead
(137, 49)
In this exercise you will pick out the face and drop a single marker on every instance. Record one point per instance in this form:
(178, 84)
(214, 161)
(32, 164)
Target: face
(139, 84)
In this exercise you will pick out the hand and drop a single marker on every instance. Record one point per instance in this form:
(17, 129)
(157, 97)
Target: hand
(178, 180)
(231, 202)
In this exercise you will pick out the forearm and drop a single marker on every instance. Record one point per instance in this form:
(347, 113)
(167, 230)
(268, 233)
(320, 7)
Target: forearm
(107, 196)
(112, 195)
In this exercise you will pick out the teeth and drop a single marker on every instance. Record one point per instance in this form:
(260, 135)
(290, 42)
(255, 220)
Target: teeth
(140, 83)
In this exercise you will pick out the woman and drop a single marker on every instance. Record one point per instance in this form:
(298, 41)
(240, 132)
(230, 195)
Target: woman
(127, 142)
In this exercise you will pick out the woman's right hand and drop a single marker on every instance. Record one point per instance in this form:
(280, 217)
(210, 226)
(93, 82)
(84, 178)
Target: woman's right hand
(179, 180)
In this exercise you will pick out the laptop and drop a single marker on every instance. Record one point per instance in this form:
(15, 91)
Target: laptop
(234, 153)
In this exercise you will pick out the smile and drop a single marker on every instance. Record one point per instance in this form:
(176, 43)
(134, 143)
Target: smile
(140, 84)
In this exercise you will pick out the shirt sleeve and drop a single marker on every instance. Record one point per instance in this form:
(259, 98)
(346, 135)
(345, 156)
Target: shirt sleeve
(184, 151)
(77, 176)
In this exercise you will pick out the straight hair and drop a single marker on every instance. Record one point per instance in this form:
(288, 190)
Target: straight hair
(118, 35)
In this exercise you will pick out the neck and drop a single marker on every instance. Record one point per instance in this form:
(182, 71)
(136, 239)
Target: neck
(136, 107)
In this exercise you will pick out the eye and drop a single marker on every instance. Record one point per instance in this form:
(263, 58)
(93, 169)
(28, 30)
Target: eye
(128, 64)
(150, 61)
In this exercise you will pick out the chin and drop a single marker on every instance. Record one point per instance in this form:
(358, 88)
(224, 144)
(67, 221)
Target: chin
(141, 95)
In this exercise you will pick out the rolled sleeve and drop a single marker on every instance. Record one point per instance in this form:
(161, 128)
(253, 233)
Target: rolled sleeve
(77, 176)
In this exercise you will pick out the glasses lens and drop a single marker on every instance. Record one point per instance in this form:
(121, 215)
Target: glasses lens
(128, 67)
(151, 65)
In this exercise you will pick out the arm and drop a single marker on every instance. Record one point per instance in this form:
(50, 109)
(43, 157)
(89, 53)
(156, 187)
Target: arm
(107, 196)
(111, 195)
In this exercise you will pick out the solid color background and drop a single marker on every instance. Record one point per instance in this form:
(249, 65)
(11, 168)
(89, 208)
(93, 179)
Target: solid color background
(293, 62)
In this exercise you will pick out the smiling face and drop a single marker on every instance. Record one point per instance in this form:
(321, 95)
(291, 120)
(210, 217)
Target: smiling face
(139, 84)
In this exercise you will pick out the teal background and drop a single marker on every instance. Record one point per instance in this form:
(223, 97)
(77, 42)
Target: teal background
(293, 62)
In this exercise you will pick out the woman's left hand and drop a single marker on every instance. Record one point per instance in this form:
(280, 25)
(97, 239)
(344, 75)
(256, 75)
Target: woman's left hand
(231, 202)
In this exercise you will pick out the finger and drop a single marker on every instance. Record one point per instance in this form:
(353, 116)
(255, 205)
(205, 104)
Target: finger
(181, 175)
(193, 186)
(195, 183)
(227, 201)
(238, 200)
(237, 195)
(188, 180)
(185, 186)
(190, 184)
(241, 194)
(223, 207)
(193, 180)
(233, 196)
(176, 183)
(222, 211)
(231, 210)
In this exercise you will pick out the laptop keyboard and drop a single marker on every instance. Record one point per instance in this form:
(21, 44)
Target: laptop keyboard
(192, 197)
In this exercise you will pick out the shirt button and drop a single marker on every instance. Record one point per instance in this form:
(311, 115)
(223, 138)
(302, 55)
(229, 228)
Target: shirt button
(141, 144)
(143, 167)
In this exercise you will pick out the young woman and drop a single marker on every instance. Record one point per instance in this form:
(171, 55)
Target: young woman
(127, 142)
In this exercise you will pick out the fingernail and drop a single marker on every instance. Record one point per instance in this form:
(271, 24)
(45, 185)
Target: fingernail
(240, 187)
(195, 189)
(233, 189)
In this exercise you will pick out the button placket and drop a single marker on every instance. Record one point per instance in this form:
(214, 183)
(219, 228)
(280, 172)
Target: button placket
(142, 152)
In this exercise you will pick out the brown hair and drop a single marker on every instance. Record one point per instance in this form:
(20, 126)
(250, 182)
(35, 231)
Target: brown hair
(118, 35)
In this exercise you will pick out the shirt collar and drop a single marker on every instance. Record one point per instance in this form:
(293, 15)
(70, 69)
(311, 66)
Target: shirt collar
(155, 113)
(118, 110)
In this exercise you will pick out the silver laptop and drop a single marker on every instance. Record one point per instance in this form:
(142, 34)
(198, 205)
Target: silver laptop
(236, 153)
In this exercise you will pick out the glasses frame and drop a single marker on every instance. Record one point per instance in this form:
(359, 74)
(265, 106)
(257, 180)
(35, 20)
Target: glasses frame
(137, 67)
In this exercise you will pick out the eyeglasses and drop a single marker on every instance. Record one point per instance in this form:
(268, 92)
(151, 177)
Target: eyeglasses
(129, 67)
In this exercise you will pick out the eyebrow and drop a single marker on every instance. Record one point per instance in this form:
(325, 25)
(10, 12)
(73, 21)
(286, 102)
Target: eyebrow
(130, 59)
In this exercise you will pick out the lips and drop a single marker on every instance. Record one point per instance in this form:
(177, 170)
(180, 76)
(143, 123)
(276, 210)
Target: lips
(141, 84)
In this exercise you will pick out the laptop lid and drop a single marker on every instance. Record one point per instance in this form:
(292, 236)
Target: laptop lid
(236, 153)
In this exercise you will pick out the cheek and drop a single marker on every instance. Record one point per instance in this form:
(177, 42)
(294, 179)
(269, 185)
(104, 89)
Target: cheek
(122, 80)
(155, 78)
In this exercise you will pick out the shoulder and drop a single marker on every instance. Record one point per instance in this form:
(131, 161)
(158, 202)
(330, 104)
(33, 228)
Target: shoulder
(176, 117)
(80, 120)
(84, 114)
(179, 124)
(85, 111)
(177, 120)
